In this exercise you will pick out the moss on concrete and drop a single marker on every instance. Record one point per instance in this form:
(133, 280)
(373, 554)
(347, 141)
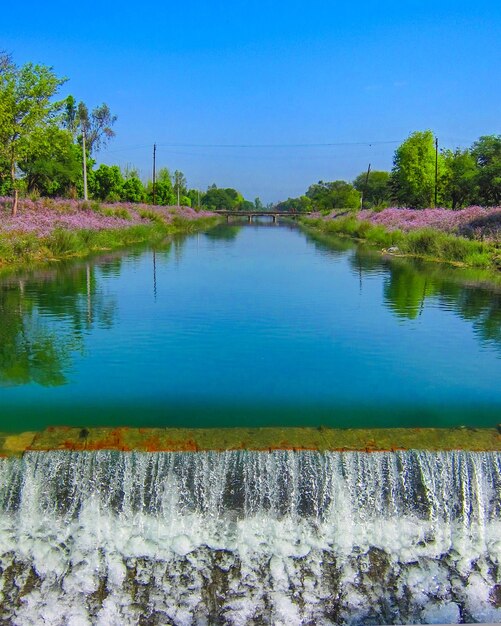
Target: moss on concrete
(265, 439)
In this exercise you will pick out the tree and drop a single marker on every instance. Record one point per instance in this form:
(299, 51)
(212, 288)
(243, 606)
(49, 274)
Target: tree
(106, 183)
(458, 182)
(487, 154)
(413, 173)
(25, 106)
(164, 193)
(96, 126)
(375, 189)
(51, 165)
(225, 199)
(132, 188)
(179, 184)
(302, 204)
(334, 195)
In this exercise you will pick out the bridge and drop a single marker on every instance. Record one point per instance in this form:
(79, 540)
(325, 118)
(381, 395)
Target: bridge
(250, 214)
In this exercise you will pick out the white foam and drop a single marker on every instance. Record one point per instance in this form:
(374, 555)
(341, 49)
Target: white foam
(310, 538)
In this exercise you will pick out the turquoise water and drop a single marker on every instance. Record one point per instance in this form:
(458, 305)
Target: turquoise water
(257, 325)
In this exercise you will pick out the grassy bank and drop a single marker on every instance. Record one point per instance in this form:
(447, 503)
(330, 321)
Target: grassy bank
(54, 230)
(427, 243)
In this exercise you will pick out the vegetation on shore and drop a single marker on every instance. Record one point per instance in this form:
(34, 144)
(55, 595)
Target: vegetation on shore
(49, 230)
(424, 242)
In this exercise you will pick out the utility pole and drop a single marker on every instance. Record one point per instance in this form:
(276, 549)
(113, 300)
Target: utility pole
(436, 170)
(154, 169)
(86, 195)
(364, 191)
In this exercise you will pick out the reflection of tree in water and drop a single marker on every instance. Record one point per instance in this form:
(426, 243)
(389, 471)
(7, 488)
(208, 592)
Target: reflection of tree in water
(330, 244)
(480, 306)
(406, 290)
(227, 232)
(44, 319)
(409, 283)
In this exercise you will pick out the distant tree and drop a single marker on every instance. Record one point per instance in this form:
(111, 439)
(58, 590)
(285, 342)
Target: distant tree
(258, 205)
(25, 105)
(164, 192)
(303, 204)
(133, 189)
(413, 173)
(225, 199)
(106, 183)
(375, 189)
(179, 185)
(70, 119)
(195, 196)
(334, 195)
(459, 178)
(487, 153)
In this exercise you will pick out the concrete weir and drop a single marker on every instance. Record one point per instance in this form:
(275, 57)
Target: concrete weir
(250, 527)
(258, 439)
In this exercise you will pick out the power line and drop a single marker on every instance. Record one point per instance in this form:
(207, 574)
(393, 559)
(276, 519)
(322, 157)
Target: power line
(259, 145)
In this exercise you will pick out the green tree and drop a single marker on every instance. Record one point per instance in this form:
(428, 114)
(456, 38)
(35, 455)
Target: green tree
(25, 106)
(334, 195)
(413, 173)
(225, 199)
(164, 192)
(133, 189)
(97, 126)
(51, 165)
(303, 204)
(375, 189)
(459, 178)
(487, 153)
(106, 183)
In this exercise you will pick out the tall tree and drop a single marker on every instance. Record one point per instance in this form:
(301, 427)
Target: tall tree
(413, 173)
(458, 182)
(25, 105)
(487, 153)
(97, 126)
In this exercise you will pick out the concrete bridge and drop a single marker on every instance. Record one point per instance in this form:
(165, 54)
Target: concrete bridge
(275, 215)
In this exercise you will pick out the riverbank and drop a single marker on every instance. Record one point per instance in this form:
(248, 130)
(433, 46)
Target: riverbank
(470, 237)
(47, 230)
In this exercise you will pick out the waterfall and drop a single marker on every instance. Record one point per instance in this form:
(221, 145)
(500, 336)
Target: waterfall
(244, 538)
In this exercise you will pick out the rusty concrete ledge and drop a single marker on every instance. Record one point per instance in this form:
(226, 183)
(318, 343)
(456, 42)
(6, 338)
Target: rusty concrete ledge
(219, 439)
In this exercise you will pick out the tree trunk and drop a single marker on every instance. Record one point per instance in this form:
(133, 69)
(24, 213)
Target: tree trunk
(15, 202)
(15, 191)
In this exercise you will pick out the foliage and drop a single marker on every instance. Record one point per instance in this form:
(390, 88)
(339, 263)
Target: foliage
(226, 199)
(458, 181)
(303, 204)
(106, 183)
(25, 106)
(334, 195)
(52, 163)
(375, 189)
(487, 154)
(96, 125)
(413, 173)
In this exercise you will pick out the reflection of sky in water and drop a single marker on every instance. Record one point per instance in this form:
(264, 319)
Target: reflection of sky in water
(249, 326)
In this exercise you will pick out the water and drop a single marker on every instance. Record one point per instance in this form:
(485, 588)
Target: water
(250, 538)
(249, 326)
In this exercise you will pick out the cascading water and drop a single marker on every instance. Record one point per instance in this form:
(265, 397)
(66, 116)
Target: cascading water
(250, 538)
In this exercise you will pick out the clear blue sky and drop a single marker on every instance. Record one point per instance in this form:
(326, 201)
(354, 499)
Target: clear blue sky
(255, 72)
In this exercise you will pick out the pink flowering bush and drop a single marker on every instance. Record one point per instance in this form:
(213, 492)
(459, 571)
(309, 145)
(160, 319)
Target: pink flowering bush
(43, 216)
(474, 222)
